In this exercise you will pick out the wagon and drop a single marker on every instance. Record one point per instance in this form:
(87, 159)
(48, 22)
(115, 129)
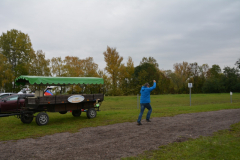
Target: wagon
(76, 103)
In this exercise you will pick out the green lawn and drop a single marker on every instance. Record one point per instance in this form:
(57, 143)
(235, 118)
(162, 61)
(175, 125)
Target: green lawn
(117, 110)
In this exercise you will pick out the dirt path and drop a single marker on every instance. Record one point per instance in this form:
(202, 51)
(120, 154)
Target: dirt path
(120, 140)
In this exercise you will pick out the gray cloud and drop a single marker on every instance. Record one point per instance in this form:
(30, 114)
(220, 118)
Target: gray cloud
(170, 31)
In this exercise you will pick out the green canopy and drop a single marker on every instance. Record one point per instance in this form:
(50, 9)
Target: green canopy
(42, 80)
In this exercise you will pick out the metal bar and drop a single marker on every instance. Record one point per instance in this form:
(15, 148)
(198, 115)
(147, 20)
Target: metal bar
(6, 115)
(190, 96)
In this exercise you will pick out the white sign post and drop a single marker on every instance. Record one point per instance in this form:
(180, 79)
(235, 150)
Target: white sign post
(190, 86)
(231, 96)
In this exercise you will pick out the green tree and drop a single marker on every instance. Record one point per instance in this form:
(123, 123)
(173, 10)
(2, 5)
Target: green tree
(17, 48)
(215, 71)
(201, 78)
(197, 76)
(113, 60)
(238, 63)
(149, 60)
(6, 76)
(146, 73)
(231, 79)
(213, 85)
(214, 81)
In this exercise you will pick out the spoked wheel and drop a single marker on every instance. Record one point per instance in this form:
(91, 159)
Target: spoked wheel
(76, 113)
(42, 119)
(91, 113)
(27, 118)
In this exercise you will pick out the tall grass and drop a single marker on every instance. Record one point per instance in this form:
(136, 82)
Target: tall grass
(117, 110)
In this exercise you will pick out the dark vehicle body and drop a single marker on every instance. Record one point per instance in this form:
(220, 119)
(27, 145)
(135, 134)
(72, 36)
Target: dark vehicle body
(60, 103)
(13, 103)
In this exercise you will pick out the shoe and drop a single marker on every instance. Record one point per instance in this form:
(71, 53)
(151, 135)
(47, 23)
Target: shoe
(139, 123)
(148, 120)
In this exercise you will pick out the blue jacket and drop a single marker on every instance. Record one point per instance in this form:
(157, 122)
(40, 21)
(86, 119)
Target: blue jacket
(145, 93)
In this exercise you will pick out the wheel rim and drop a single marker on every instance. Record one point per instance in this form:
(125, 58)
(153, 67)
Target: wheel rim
(92, 113)
(43, 119)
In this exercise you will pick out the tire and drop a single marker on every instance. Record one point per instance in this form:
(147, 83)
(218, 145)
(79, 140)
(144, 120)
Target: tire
(26, 118)
(76, 113)
(63, 112)
(42, 119)
(91, 113)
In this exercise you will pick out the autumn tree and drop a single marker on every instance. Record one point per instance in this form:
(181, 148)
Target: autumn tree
(89, 67)
(164, 83)
(129, 75)
(182, 74)
(113, 60)
(40, 65)
(107, 82)
(126, 77)
(57, 66)
(75, 67)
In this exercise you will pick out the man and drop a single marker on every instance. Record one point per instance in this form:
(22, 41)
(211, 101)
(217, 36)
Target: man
(145, 101)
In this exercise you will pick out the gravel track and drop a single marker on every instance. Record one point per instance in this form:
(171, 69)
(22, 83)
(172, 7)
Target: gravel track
(120, 140)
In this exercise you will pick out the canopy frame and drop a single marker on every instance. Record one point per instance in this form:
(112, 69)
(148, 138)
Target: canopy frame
(57, 81)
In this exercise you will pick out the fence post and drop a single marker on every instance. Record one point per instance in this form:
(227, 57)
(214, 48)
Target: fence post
(190, 96)
(231, 96)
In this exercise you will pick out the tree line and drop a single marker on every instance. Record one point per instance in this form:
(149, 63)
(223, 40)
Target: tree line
(17, 57)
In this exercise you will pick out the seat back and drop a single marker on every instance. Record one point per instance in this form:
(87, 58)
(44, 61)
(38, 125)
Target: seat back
(38, 93)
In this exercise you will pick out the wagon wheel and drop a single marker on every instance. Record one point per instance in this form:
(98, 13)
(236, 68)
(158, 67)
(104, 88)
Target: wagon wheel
(27, 118)
(42, 118)
(63, 112)
(76, 113)
(91, 113)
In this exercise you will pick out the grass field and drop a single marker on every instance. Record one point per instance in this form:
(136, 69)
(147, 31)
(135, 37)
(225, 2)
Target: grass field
(125, 109)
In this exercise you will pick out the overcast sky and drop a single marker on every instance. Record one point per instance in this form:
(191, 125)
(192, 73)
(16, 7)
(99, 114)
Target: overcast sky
(171, 31)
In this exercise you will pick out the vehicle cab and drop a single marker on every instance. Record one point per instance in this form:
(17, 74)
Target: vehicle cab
(3, 95)
(13, 103)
